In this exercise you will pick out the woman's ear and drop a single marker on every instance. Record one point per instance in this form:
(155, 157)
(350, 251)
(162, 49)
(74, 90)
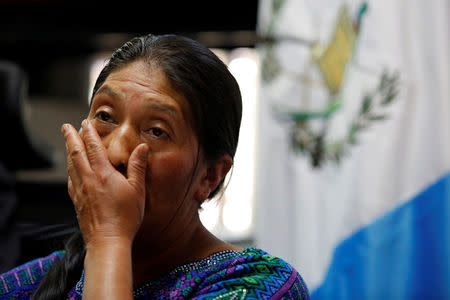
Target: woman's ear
(215, 171)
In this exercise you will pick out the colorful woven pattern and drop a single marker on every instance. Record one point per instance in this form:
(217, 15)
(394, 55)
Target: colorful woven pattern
(21, 282)
(253, 274)
(248, 274)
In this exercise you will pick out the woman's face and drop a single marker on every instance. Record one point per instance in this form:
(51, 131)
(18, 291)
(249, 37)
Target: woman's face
(135, 105)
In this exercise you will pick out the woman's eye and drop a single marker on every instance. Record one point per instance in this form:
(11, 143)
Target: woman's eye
(157, 132)
(104, 116)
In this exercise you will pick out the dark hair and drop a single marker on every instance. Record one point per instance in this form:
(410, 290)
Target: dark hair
(63, 274)
(215, 100)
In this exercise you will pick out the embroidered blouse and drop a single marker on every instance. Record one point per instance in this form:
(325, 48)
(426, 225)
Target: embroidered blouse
(248, 274)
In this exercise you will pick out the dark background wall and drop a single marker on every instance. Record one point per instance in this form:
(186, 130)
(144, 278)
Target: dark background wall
(42, 36)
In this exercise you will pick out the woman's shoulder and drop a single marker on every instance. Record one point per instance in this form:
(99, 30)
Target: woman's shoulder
(23, 280)
(255, 274)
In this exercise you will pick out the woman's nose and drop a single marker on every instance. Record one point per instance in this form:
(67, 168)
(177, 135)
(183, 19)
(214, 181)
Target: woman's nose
(119, 146)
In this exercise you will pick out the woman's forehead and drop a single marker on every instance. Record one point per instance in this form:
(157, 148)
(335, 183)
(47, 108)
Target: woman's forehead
(142, 77)
(145, 81)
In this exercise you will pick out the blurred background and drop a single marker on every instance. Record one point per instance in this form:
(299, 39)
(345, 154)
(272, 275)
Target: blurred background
(343, 162)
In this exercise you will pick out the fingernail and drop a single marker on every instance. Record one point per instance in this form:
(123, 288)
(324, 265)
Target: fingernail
(84, 123)
(64, 128)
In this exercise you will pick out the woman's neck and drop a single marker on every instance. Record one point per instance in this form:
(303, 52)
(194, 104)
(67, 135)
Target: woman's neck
(194, 242)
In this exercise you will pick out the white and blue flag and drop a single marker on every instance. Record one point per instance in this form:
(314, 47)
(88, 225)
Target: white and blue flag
(353, 178)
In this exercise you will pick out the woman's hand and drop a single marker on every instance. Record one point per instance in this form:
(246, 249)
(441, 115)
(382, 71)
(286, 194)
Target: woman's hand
(109, 206)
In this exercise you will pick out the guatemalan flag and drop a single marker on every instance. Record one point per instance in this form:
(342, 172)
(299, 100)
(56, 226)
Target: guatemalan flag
(353, 183)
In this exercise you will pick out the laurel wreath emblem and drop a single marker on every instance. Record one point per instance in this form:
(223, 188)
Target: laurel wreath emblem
(373, 106)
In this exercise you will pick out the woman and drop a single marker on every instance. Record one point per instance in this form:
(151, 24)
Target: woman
(159, 140)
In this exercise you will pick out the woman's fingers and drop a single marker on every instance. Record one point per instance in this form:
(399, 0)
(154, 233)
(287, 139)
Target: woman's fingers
(71, 190)
(77, 161)
(137, 166)
(95, 150)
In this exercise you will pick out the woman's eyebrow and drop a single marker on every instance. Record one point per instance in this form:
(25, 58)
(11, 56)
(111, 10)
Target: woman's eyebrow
(163, 108)
(106, 90)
